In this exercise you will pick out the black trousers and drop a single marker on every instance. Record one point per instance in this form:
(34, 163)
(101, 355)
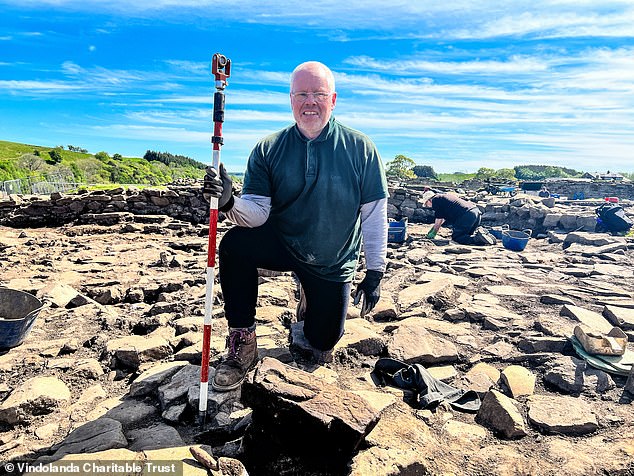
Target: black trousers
(243, 250)
(465, 225)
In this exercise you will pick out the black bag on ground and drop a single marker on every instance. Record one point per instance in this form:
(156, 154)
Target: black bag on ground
(429, 390)
(614, 218)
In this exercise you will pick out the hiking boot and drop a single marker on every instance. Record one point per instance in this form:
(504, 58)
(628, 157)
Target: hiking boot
(483, 237)
(321, 357)
(300, 311)
(241, 357)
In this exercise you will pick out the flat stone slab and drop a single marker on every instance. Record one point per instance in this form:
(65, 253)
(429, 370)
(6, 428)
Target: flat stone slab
(555, 299)
(174, 389)
(505, 290)
(592, 319)
(457, 280)
(562, 415)
(534, 344)
(573, 376)
(36, 396)
(360, 335)
(132, 351)
(155, 437)
(622, 317)
(617, 302)
(399, 444)
(521, 278)
(601, 250)
(592, 239)
(60, 295)
(412, 343)
(97, 435)
(445, 328)
(599, 286)
(419, 293)
(131, 413)
(612, 270)
(152, 377)
(577, 271)
(300, 404)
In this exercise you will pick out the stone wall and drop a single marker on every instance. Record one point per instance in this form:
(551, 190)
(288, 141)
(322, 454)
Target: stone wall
(596, 190)
(181, 202)
(406, 203)
(568, 188)
(185, 203)
(539, 214)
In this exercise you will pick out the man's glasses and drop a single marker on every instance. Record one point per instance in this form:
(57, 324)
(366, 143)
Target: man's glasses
(318, 97)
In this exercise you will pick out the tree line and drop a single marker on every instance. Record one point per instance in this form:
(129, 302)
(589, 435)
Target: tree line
(403, 168)
(171, 159)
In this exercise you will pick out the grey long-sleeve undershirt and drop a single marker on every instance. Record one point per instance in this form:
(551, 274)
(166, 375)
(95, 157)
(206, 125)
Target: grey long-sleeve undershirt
(253, 210)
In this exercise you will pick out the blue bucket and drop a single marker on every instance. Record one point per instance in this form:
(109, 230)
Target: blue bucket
(498, 230)
(18, 311)
(515, 240)
(397, 231)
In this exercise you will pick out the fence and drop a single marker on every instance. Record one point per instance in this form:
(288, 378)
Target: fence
(40, 185)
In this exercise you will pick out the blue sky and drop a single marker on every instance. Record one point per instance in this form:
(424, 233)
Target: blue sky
(456, 85)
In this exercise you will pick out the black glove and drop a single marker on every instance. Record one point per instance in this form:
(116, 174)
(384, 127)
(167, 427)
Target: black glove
(219, 187)
(370, 290)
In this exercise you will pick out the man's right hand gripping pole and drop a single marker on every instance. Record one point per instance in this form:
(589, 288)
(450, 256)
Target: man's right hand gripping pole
(219, 186)
(370, 290)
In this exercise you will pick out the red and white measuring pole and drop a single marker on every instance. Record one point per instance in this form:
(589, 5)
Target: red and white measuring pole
(220, 68)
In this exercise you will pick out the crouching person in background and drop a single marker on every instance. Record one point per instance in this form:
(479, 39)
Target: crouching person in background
(464, 217)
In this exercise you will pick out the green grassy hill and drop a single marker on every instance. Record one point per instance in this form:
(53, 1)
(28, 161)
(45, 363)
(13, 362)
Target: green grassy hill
(22, 161)
(12, 150)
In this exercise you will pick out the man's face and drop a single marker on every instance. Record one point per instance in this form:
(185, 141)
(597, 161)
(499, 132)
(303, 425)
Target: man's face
(312, 110)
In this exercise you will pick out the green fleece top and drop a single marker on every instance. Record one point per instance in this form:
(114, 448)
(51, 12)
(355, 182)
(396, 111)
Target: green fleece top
(317, 188)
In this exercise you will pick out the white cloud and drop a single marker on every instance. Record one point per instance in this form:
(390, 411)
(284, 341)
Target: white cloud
(69, 67)
(36, 86)
(233, 97)
(202, 116)
(478, 19)
(148, 132)
(564, 24)
(516, 64)
(195, 67)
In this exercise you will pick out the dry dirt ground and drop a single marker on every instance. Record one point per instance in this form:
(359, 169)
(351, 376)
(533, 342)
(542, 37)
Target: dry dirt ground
(168, 265)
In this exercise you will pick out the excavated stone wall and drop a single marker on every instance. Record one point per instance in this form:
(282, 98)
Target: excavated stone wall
(185, 203)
